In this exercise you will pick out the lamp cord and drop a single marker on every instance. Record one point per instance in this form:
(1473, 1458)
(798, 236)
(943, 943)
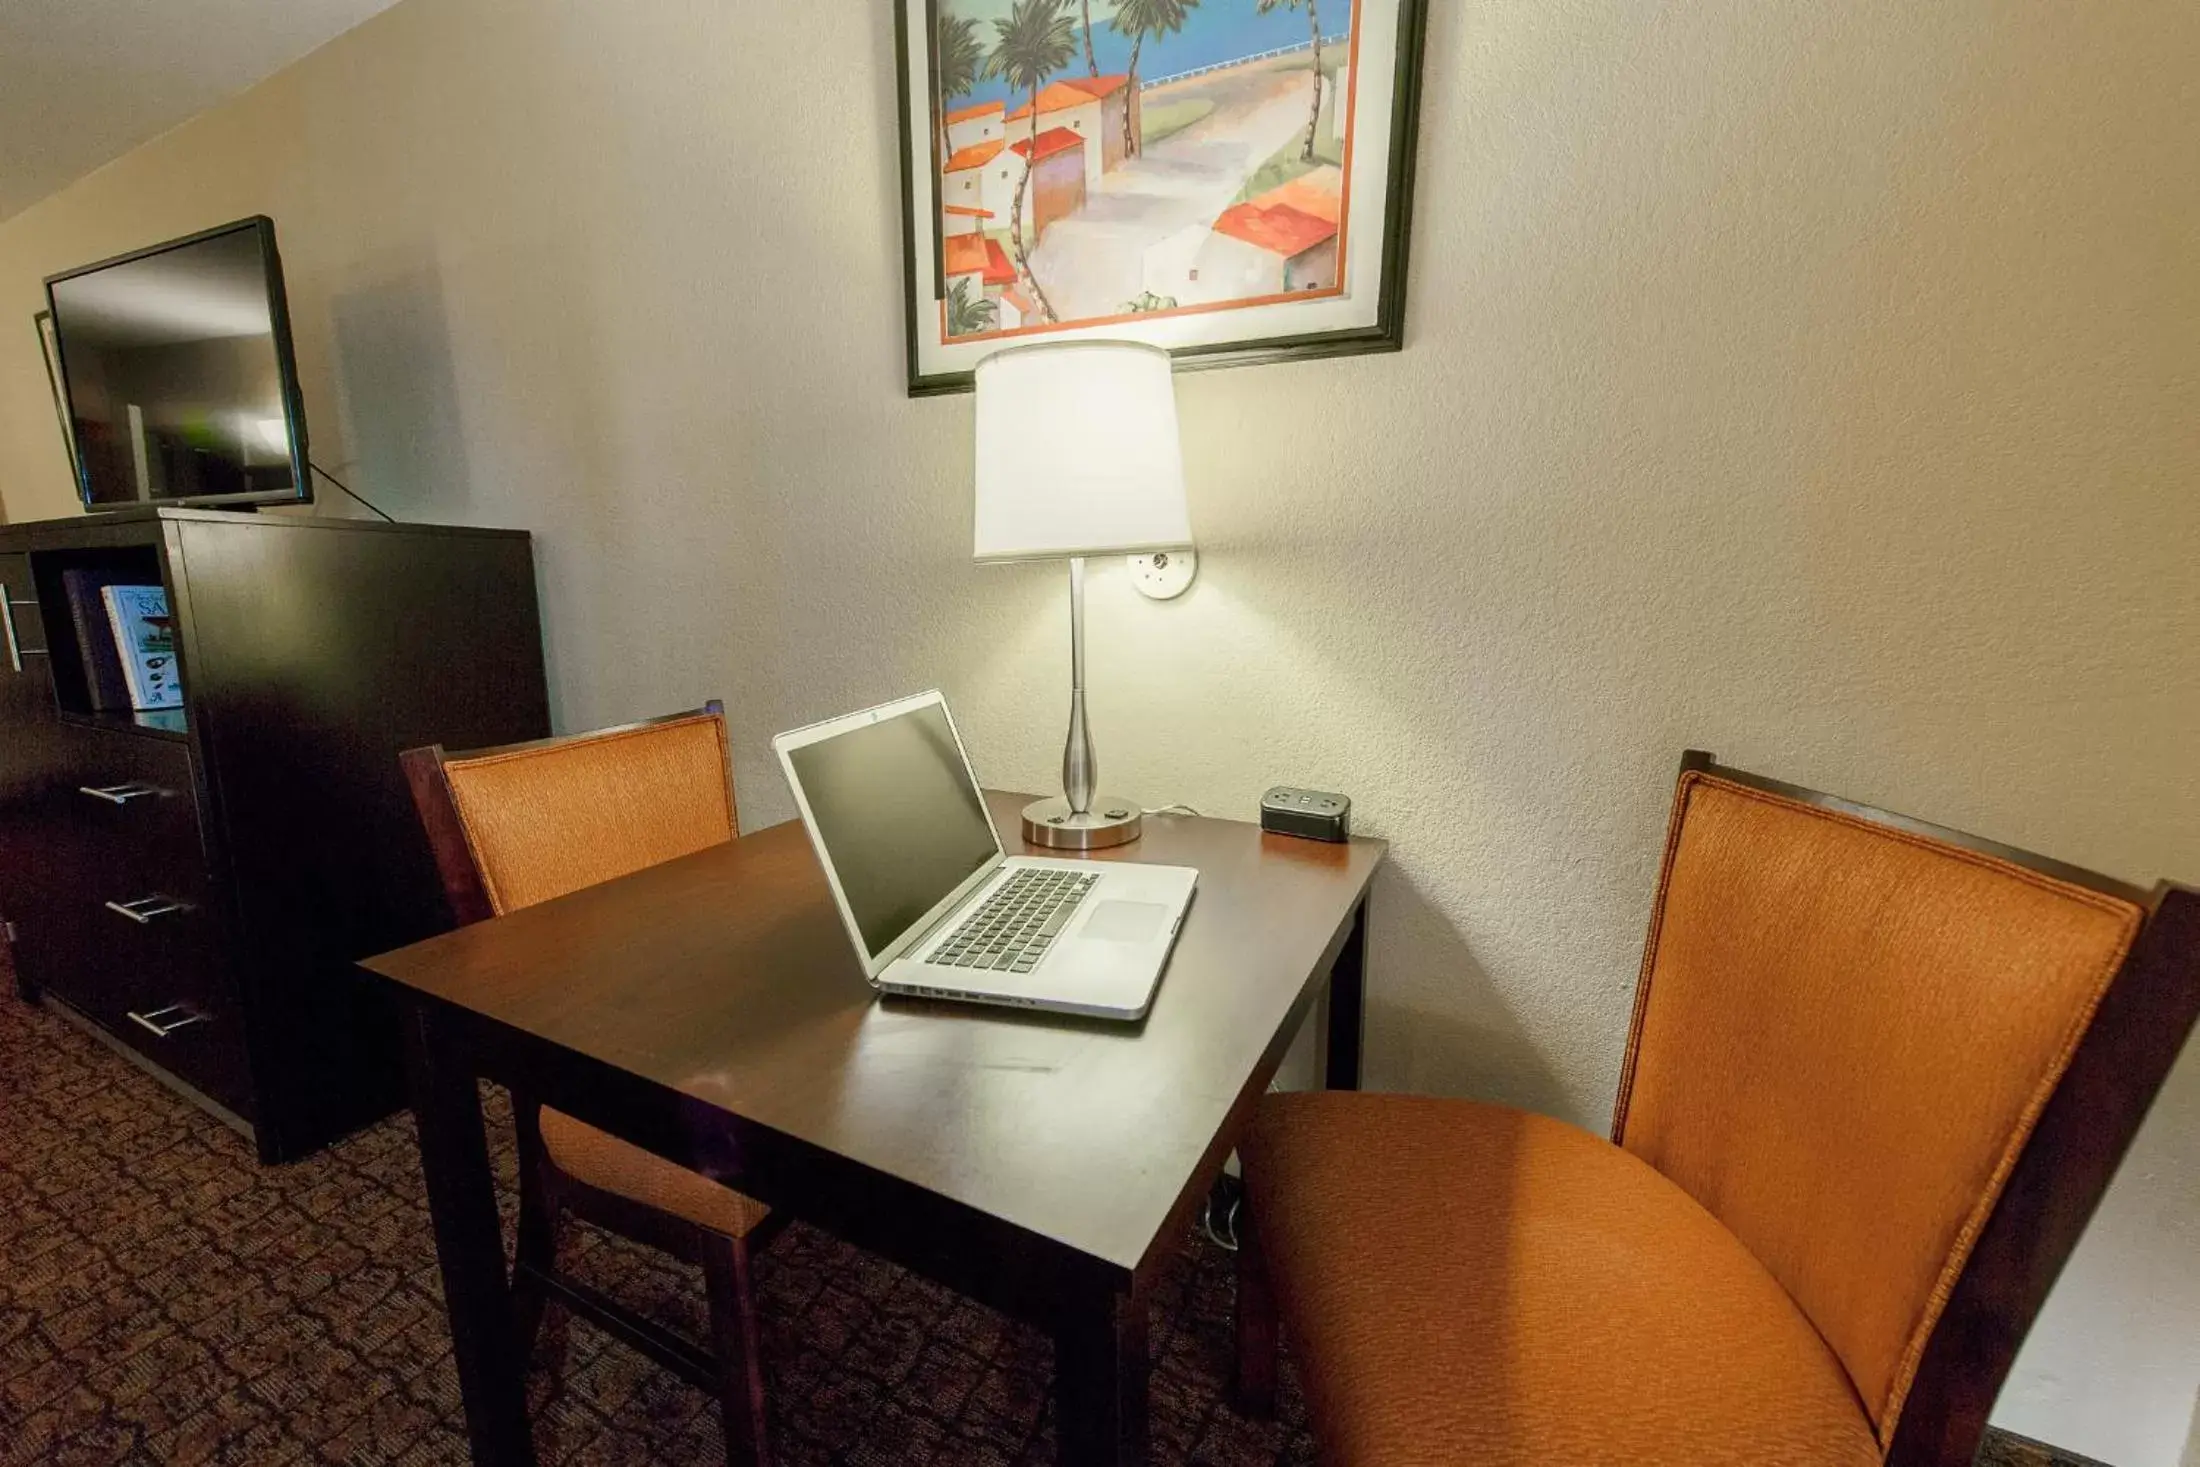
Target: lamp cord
(339, 483)
(1225, 1206)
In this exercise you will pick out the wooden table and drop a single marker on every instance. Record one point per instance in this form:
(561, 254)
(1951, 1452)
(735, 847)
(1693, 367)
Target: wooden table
(712, 1011)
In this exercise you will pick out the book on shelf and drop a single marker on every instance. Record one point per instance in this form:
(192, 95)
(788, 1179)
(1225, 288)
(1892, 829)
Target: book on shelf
(145, 638)
(108, 689)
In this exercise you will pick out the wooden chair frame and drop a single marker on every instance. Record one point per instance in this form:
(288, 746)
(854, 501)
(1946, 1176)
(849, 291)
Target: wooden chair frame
(730, 1367)
(2067, 1162)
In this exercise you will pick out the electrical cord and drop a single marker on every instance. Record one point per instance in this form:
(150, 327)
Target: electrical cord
(1171, 810)
(339, 483)
(1219, 1219)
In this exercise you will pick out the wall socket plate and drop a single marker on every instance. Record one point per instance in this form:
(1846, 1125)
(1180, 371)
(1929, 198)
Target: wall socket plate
(1165, 574)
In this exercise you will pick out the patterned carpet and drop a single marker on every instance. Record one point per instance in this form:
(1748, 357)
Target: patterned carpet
(163, 1299)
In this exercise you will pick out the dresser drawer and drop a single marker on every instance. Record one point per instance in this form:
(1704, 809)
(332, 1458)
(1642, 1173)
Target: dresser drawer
(167, 997)
(125, 923)
(136, 818)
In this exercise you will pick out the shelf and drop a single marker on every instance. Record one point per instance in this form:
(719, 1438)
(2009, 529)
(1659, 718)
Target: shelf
(69, 651)
(162, 723)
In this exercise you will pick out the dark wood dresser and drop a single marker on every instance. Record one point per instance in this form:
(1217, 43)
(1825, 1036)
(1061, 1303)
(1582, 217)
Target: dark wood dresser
(195, 885)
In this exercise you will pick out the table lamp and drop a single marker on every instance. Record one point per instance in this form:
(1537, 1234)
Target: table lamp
(1078, 456)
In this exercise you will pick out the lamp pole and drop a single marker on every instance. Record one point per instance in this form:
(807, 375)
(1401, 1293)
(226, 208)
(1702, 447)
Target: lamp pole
(1080, 764)
(1083, 819)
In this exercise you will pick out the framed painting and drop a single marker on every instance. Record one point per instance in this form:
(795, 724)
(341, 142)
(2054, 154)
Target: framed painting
(49, 342)
(1229, 179)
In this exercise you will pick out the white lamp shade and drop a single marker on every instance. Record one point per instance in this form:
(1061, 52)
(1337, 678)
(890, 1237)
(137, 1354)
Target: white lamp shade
(1078, 452)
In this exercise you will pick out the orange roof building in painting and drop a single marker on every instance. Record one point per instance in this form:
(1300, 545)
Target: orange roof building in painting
(1051, 142)
(1061, 96)
(1279, 229)
(1284, 242)
(1099, 86)
(963, 219)
(974, 254)
(1319, 193)
(977, 155)
(967, 127)
(1058, 161)
(1087, 121)
(1288, 240)
(970, 190)
(1102, 110)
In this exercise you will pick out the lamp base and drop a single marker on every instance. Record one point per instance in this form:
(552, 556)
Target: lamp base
(1110, 822)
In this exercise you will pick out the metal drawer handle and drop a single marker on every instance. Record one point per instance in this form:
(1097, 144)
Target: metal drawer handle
(145, 909)
(119, 794)
(16, 650)
(161, 1030)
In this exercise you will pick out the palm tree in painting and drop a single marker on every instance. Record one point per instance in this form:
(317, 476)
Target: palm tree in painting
(1139, 19)
(1032, 43)
(1092, 66)
(969, 313)
(1314, 19)
(961, 58)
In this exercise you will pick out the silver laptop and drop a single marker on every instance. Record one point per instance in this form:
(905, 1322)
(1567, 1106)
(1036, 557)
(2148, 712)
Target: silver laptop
(934, 906)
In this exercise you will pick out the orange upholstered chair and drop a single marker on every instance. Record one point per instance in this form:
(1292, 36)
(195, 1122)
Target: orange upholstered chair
(516, 826)
(1879, 1075)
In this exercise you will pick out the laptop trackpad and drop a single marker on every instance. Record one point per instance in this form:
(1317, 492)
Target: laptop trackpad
(1126, 922)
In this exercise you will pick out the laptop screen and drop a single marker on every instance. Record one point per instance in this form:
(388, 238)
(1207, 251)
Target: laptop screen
(902, 824)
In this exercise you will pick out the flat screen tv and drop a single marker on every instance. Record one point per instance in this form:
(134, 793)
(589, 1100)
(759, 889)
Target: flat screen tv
(177, 373)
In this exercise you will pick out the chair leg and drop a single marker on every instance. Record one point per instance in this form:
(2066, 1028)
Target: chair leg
(536, 1253)
(740, 1354)
(1255, 1386)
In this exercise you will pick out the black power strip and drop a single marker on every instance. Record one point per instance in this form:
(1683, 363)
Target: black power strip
(1309, 814)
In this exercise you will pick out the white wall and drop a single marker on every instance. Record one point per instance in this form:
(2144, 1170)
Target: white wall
(1812, 384)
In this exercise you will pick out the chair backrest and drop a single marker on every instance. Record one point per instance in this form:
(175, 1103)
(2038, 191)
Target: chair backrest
(519, 825)
(1899, 1064)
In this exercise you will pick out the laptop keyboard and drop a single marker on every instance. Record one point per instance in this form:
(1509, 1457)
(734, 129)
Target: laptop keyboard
(1017, 924)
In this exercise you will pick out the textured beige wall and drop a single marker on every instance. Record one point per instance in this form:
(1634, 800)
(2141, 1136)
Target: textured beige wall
(1814, 384)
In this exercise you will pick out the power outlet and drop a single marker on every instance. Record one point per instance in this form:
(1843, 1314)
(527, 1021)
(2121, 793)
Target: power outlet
(1310, 814)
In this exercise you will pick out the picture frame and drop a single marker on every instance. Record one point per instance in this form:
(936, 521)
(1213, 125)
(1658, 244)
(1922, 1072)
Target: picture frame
(1245, 193)
(49, 343)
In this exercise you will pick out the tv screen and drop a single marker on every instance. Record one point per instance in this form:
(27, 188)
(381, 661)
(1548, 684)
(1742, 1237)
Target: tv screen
(178, 375)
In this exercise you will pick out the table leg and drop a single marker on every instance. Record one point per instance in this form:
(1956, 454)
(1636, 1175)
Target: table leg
(1348, 1006)
(469, 1244)
(1100, 1370)
(10, 961)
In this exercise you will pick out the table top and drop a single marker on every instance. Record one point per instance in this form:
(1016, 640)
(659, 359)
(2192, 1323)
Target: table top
(727, 977)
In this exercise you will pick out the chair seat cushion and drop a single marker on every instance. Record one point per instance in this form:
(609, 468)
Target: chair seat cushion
(608, 1164)
(1468, 1284)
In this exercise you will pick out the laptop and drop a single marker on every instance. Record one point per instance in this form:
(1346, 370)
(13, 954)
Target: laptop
(935, 907)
